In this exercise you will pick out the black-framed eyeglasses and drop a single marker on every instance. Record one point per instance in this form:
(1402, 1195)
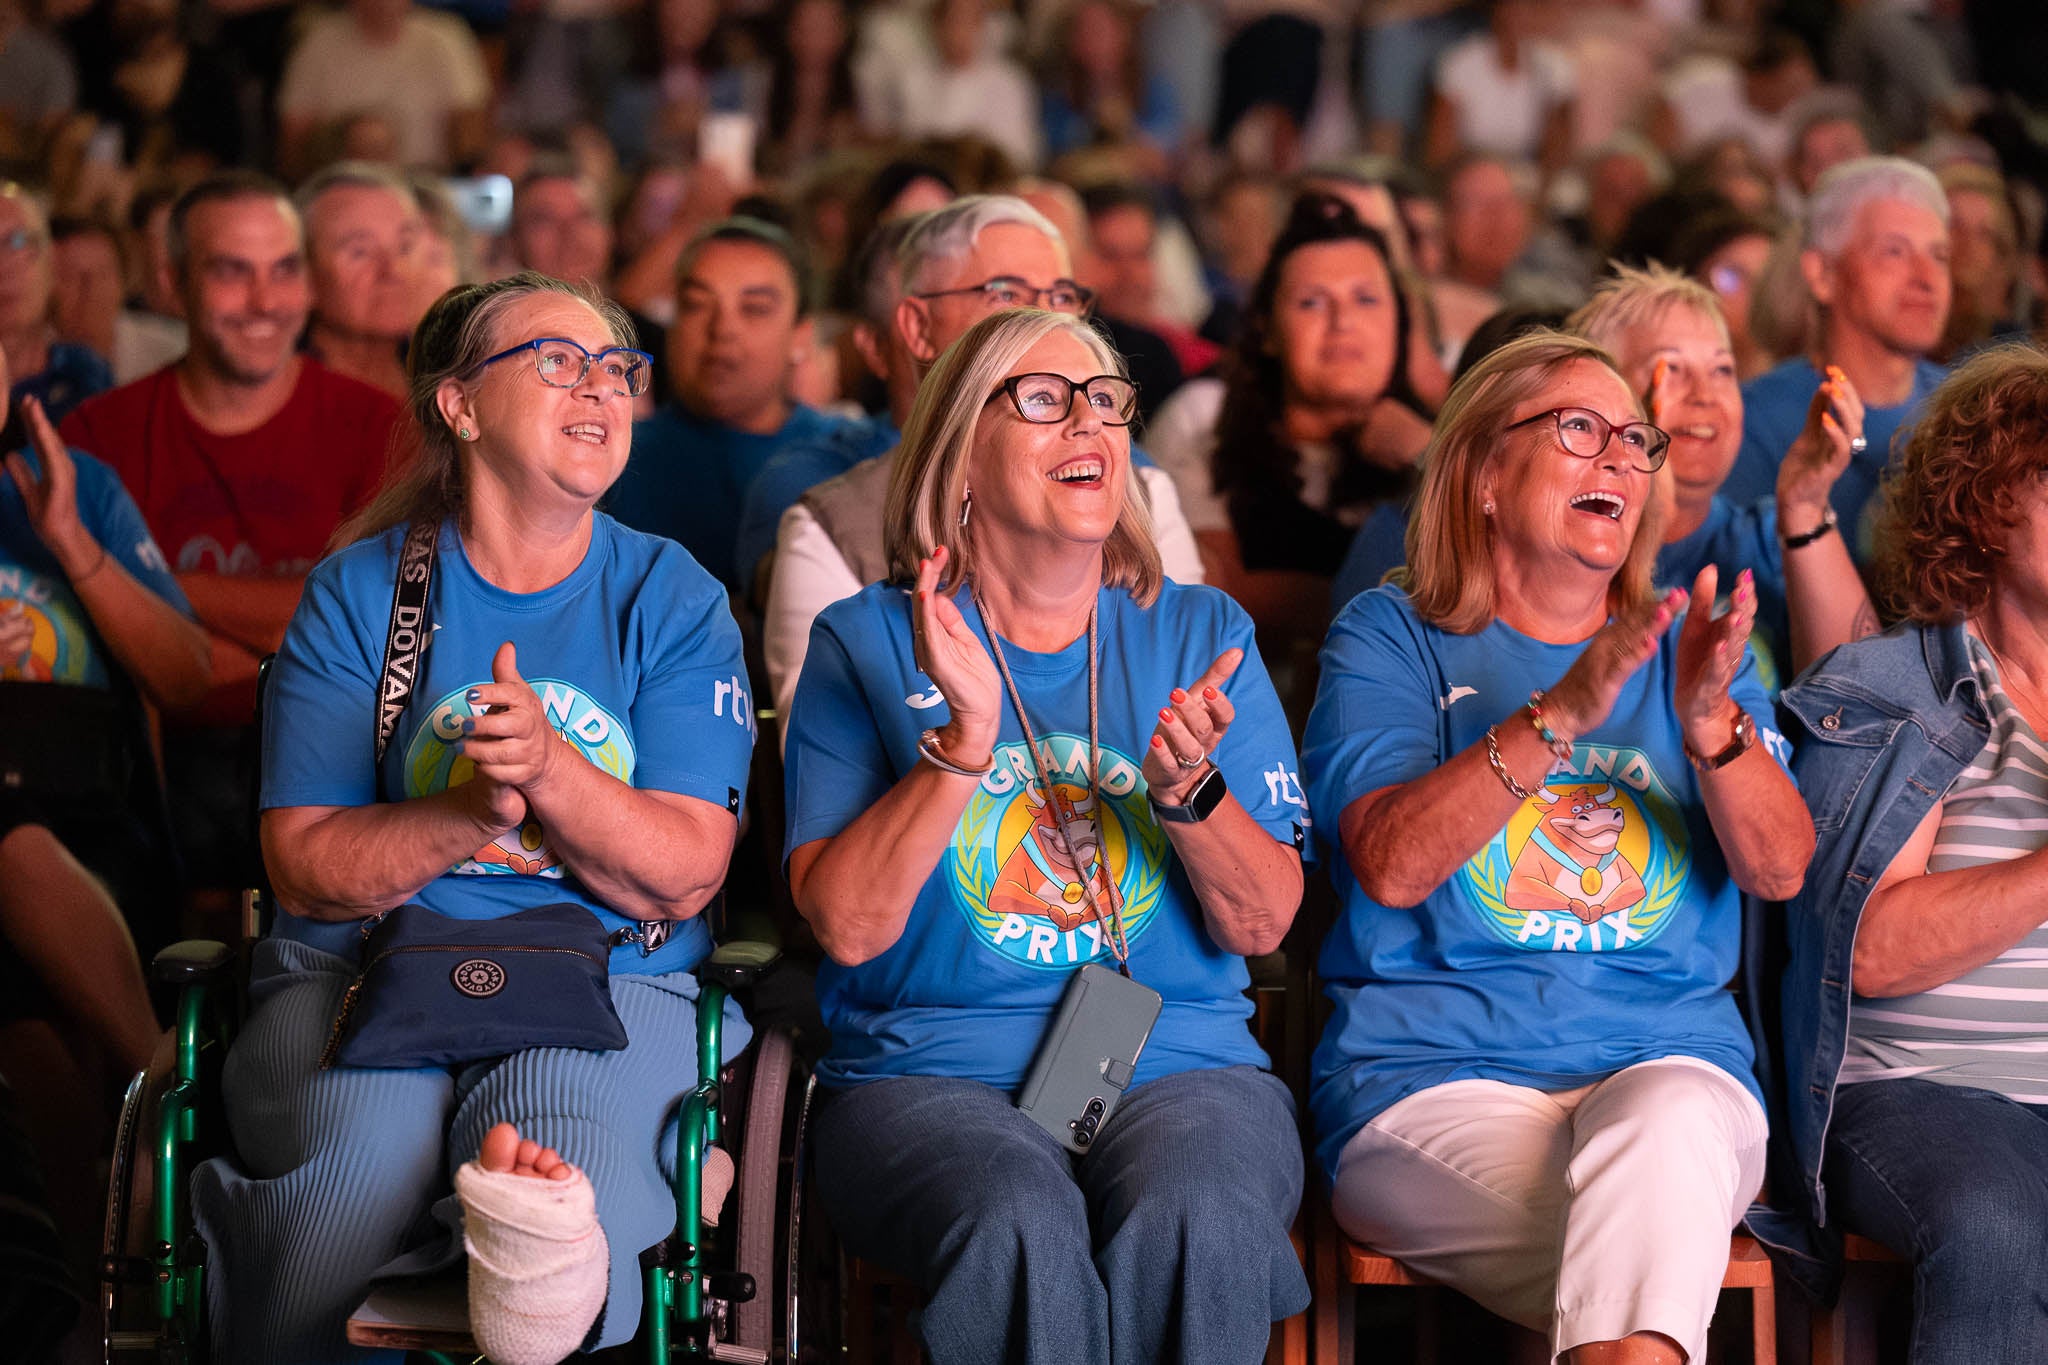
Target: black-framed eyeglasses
(1007, 291)
(1049, 398)
(565, 364)
(1585, 433)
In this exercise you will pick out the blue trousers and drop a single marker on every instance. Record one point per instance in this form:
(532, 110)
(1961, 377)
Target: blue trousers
(1956, 1180)
(1167, 1242)
(347, 1173)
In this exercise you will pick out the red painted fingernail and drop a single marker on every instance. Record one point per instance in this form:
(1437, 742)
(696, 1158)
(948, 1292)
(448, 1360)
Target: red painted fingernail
(1158, 743)
(1179, 694)
(1165, 714)
(1209, 692)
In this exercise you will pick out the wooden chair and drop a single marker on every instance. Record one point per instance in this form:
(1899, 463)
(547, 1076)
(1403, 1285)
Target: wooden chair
(1830, 1340)
(1346, 1264)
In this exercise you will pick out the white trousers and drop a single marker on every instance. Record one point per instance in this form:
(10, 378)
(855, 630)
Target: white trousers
(1590, 1214)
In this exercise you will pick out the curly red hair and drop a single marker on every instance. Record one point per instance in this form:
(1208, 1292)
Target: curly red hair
(1957, 490)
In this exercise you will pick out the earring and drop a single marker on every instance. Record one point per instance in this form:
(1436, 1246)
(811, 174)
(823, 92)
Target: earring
(1488, 507)
(966, 505)
(464, 433)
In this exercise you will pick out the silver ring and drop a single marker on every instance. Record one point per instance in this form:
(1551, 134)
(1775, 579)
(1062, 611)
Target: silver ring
(1191, 764)
(1859, 444)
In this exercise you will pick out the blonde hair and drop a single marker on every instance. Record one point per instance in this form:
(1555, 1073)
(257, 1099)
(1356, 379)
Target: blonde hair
(1634, 296)
(1449, 577)
(929, 484)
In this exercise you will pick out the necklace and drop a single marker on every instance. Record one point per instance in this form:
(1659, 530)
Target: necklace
(1112, 921)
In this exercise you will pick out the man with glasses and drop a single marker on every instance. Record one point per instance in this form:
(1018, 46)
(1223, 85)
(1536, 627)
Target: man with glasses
(977, 256)
(742, 322)
(59, 374)
(243, 457)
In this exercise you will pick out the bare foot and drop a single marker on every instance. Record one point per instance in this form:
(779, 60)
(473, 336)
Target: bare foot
(504, 1151)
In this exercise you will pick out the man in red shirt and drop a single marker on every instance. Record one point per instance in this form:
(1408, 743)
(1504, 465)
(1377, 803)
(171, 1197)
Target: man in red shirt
(244, 457)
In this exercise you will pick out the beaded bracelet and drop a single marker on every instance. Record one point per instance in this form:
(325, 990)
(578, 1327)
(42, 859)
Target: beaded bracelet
(1500, 769)
(1561, 748)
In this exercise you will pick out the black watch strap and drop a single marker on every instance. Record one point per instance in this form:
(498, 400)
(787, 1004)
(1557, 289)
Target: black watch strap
(1207, 795)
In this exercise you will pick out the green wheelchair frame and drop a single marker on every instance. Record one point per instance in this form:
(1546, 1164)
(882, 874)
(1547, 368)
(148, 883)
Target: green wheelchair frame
(680, 1285)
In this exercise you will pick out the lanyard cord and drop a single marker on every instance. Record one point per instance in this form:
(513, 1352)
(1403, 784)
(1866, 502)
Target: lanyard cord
(1119, 947)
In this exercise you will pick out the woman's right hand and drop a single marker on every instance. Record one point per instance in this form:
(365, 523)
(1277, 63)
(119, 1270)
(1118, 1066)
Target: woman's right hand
(952, 656)
(1581, 699)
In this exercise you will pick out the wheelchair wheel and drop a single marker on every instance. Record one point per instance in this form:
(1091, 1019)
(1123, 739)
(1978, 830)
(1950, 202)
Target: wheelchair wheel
(813, 1269)
(134, 1326)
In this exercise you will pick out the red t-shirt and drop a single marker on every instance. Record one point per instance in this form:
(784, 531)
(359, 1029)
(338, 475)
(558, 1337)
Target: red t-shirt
(263, 502)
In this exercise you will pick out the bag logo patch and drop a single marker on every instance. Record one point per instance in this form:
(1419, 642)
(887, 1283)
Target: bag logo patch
(479, 978)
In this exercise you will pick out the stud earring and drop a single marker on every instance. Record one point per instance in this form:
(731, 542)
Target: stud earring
(1488, 507)
(966, 505)
(464, 433)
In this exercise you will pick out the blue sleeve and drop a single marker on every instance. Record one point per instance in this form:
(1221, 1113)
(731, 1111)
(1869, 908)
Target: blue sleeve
(693, 710)
(836, 764)
(116, 523)
(1375, 720)
(318, 745)
(1257, 756)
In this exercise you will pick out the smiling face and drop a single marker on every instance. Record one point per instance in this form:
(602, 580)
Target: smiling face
(1333, 325)
(1012, 250)
(1060, 481)
(545, 445)
(244, 286)
(735, 335)
(1890, 283)
(1702, 400)
(1553, 510)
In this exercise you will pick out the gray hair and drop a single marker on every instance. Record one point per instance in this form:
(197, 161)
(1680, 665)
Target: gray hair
(878, 270)
(351, 175)
(948, 233)
(1842, 192)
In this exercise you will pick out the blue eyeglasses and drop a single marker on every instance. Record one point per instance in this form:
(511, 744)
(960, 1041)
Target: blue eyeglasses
(564, 364)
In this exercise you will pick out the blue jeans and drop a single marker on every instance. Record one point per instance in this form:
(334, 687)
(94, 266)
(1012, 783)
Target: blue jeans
(1956, 1180)
(1167, 1242)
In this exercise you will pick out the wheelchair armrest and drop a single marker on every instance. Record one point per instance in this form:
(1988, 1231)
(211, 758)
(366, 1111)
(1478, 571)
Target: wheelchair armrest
(193, 962)
(739, 964)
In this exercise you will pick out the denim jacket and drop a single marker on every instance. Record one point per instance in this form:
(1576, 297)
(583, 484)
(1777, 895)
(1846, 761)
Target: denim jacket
(1883, 728)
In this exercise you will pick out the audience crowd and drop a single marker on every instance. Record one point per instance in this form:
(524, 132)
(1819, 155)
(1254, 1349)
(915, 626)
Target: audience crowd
(1676, 365)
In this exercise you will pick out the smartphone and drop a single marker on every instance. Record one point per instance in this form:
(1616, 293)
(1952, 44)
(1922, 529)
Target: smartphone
(727, 141)
(484, 201)
(1089, 1055)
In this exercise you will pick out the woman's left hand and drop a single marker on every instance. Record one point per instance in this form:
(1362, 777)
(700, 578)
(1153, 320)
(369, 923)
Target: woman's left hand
(1190, 728)
(1819, 455)
(52, 498)
(507, 735)
(1709, 652)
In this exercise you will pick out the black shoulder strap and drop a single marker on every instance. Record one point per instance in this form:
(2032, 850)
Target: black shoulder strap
(407, 636)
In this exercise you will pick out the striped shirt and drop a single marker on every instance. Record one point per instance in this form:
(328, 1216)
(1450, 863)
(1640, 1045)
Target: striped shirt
(1987, 1028)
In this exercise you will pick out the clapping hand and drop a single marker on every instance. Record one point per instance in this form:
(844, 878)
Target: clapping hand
(508, 738)
(949, 653)
(52, 497)
(1190, 728)
(1581, 699)
(1819, 454)
(1709, 652)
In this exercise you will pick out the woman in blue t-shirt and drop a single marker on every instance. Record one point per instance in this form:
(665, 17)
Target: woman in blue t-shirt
(1027, 754)
(1535, 1086)
(610, 781)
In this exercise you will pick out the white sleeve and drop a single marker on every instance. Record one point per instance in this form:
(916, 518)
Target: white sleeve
(1170, 530)
(809, 575)
(1181, 438)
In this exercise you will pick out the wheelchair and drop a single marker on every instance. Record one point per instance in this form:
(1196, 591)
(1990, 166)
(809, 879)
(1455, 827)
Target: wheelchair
(710, 1292)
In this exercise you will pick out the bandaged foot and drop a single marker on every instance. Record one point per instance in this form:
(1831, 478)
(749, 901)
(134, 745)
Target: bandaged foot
(538, 1262)
(718, 1176)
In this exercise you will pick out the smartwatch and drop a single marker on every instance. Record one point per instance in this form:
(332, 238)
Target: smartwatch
(1207, 795)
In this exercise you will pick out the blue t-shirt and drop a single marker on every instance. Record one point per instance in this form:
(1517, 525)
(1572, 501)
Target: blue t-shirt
(74, 374)
(1380, 545)
(636, 661)
(1773, 414)
(67, 647)
(1496, 975)
(1732, 539)
(1003, 921)
(688, 478)
(798, 468)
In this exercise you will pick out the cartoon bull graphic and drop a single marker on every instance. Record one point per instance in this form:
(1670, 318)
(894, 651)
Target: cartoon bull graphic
(1573, 859)
(1038, 878)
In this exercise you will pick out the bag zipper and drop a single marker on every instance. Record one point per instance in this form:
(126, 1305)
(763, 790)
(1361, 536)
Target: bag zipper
(355, 987)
